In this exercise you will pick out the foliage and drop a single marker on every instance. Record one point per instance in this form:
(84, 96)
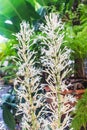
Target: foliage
(6, 49)
(80, 114)
(15, 11)
(7, 66)
(76, 35)
(9, 107)
(32, 10)
(2, 49)
(8, 118)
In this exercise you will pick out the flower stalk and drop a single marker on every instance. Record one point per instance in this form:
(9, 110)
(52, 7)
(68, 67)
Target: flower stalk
(27, 80)
(56, 63)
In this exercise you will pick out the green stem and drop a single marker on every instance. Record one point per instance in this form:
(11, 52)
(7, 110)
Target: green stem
(30, 98)
(59, 105)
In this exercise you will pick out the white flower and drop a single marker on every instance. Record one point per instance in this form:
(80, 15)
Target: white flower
(71, 98)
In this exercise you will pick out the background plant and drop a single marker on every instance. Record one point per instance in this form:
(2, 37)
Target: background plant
(7, 66)
(15, 14)
(76, 28)
(32, 10)
(9, 107)
(80, 117)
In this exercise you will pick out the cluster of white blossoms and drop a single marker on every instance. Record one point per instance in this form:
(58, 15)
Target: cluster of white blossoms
(27, 79)
(27, 83)
(56, 63)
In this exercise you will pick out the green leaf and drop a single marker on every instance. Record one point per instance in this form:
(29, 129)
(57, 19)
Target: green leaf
(6, 49)
(8, 118)
(16, 12)
(80, 118)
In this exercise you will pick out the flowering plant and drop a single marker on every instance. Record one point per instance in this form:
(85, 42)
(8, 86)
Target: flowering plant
(27, 79)
(56, 63)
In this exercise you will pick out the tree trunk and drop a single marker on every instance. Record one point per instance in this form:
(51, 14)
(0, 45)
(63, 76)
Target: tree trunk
(79, 68)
